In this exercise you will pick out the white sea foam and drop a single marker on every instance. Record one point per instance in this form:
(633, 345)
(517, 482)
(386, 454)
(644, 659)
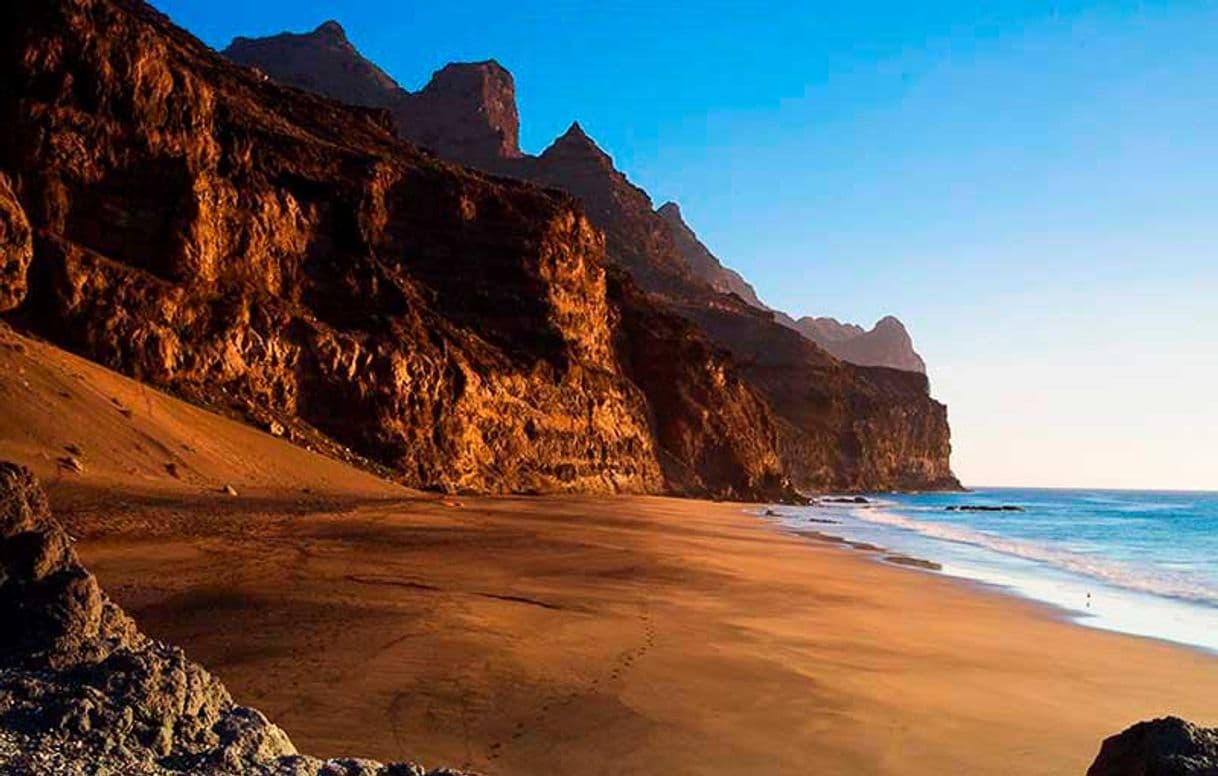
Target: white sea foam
(1154, 581)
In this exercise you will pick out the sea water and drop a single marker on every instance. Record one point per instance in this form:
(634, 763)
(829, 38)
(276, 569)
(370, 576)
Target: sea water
(1140, 562)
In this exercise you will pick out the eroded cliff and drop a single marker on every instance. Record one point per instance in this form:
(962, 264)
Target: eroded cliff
(841, 426)
(269, 252)
(202, 228)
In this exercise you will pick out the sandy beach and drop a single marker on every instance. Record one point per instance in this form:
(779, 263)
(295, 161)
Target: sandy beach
(560, 635)
(632, 636)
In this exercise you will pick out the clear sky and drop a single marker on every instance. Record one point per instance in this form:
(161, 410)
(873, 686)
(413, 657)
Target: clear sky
(1031, 186)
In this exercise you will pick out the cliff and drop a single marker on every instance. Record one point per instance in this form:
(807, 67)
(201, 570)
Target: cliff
(702, 262)
(886, 344)
(16, 248)
(466, 113)
(840, 426)
(262, 250)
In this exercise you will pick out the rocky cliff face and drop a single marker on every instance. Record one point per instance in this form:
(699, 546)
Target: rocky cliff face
(264, 250)
(321, 61)
(636, 239)
(886, 344)
(716, 434)
(840, 426)
(82, 690)
(16, 247)
(466, 113)
(199, 227)
(702, 262)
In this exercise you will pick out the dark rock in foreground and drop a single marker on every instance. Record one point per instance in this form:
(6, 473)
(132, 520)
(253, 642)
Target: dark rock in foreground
(1168, 746)
(83, 691)
(984, 508)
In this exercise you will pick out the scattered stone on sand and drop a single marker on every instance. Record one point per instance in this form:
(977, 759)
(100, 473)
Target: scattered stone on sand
(845, 500)
(74, 449)
(72, 464)
(228, 490)
(83, 691)
(1168, 746)
(918, 563)
(172, 470)
(275, 428)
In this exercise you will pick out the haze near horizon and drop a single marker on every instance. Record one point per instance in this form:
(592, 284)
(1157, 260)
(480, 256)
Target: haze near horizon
(1025, 185)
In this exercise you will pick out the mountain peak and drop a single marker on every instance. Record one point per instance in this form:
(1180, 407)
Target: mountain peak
(576, 140)
(890, 322)
(488, 70)
(576, 133)
(468, 110)
(331, 30)
(670, 210)
(322, 61)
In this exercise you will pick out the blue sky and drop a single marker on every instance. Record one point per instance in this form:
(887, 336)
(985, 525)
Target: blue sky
(1030, 186)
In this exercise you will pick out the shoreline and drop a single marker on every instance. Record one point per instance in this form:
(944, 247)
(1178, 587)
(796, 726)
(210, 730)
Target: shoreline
(893, 558)
(1082, 588)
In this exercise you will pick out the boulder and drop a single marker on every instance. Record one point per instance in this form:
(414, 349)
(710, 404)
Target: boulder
(1168, 746)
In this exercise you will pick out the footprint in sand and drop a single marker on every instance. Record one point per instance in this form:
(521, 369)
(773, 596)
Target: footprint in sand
(623, 663)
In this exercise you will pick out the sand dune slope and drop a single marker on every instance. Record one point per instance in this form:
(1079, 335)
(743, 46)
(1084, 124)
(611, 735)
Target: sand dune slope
(130, 437)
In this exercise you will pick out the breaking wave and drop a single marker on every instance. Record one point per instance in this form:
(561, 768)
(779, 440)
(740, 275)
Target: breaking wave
(1146, 580)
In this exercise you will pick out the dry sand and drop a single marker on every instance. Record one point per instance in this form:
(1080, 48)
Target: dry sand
(563, 635)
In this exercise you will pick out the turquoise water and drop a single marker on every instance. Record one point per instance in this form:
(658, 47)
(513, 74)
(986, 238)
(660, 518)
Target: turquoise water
(1141, 562)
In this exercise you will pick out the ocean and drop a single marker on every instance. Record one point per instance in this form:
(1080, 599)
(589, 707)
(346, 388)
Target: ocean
(1139, 562)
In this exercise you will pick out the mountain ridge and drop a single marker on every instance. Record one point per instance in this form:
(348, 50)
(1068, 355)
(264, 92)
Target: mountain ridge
(467, 112)
(842, 426)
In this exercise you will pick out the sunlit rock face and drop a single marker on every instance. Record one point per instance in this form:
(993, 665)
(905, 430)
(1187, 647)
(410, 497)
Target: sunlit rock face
(839, 425)
(258, 248)
(16, 247)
